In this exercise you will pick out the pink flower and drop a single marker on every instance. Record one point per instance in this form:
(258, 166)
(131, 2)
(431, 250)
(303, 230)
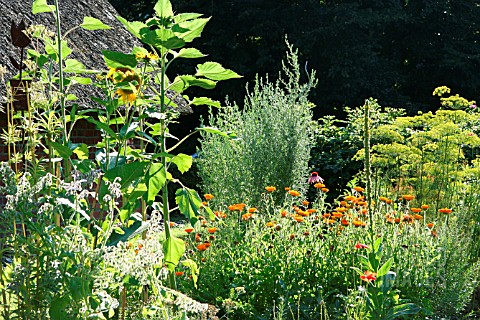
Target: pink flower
(315, 178)
(361, 246)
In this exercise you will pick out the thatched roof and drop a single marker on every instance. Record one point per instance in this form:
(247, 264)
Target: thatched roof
(87, 46)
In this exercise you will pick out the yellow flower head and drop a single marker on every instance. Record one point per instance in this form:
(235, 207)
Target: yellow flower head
(129, 83)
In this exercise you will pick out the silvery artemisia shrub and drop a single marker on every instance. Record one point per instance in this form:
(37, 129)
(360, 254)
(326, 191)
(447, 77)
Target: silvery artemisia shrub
(275, 135)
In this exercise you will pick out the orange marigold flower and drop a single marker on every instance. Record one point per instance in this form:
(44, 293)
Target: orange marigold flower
(306, 233)
(220, 214)
(212, 230)
(202, 247)
(172, 224)
(284, 213)
(344, 222)
(325, 190)
(294, 193)
(390, 220)
(337, 214)
(341, 209)
(252, 210)
(408, 197)
(198, 237)
(319, 185)
(270, 188)
(358, 189)
(326, 215)
(237, 207)
(384, 199)
(204, 203)
(179, 273)
(208, 196)
(434, 233)
(418, 216)
(189, 230)
(389, 201)
(298, 218)
(246, 216)
(350, 198)
(357, 223)
(287, 188)
(424, 206)
(445, 210)
(292, 236)
(310, 211)
(343, 203)
(369, 276)
(397, 220)
(430, 225)
(207, 244)
(305, 202)
(416, 210)
(270, 224)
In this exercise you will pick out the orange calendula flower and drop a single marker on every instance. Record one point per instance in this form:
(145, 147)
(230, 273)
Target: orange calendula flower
(325, 190)
(357, 223)
(207, 244)
(408, 197)
(284, 213)
(430, 225)
(416, 210)
(212, 230)
(246, 216)
(345, 222)
(383, 199)
(172, 224)
(337, 215)
(198, 237)
(418, 216)
(369, 276)
(299, 218)
(424, 206)
(445, 210)
(270, 188)
(204, 203)
(270, 224)
(237, 207)
(252, 210)
(292, 236)
(294, 193)
(208, 196)
(319, 185)
(287, 188)
(201, 247)
(220, 214)
(358, 189)
(305, 202)
(350, 198)
(179, 273)
(310, 211)
(189, 230)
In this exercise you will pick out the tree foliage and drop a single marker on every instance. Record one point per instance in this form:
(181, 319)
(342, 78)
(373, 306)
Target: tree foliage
(396, 50)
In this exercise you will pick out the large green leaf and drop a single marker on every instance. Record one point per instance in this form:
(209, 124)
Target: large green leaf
(90, 23)
(128, 173)
(115, 59)
(127, 233)
(181, 17)
(402, 310)
(58, 307)
(62, 150)
(74, 66)
(183, 162)
(192, 265)
(174, 249)
(52, 49)
(40, 6)
(198, 101)
(189, 53)
(385, 268)
(161, 38)
(215, 71)
(156, 178)
(188, 202)
(163, 9)
(213, 130)
(189, 30)
(81, 151)
(103, 126)
(133, 27)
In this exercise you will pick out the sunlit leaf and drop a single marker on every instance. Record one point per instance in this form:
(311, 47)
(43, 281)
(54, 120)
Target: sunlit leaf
(90, 23)
(215, 71)
(173, 248)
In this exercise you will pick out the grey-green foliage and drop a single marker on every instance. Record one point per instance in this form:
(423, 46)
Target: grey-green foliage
(275, 135)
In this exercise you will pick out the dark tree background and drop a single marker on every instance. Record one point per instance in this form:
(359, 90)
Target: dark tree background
(393, 50)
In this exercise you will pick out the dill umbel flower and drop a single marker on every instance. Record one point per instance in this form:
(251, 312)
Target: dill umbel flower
(315, 178)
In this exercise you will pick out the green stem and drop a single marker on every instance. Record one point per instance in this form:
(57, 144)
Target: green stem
(368, 188)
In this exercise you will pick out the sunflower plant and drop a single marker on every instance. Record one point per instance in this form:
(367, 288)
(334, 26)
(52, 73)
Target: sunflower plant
(141, 101)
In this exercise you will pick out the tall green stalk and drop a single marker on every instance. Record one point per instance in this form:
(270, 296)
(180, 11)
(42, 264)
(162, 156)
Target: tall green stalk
(367, 163)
